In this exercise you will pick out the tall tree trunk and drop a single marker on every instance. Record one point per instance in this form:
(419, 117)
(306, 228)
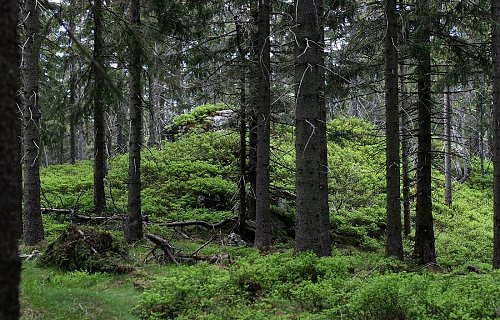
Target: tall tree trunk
(108, 115)
(121, 124)
(72, 98)
(394, 242)
(62, 133)
(447, 147)
(243, 131)
(263, 100)
(243, 156)
(495, 15)
(73, 115)
(481, 137)
(252, 119)
(312, 226)
(466, 149)
(99, 130)
(10, 169)
(32, 226)
(424, 226)
(133, 223)
(405, 153)
(252, 157)
(153, 118)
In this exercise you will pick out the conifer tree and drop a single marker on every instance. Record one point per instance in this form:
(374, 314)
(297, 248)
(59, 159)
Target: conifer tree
(424, 251)
(263, 114)
(32, 217)
(133, 222)
(98, 108)
(394, 243)
(312, 226)
(10, 168)
(495, 15)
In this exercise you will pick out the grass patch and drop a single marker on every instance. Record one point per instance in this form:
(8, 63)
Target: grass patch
(50, 294)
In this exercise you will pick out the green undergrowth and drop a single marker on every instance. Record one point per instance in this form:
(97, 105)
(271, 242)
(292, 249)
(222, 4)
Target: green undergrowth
(54, 294)
(192, 178)
(347, 285)
(51, 294)
(351, 284)
(195, 178)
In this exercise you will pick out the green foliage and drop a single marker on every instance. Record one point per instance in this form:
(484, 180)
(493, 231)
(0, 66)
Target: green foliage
(345, 130)
(177, 17)
(426, 296)
(189, 293)
(50, 294)
(78, 279)
(463, 232)
(198, 116)
(356, 182)
(68, 186)
(352, 286)
(186, 179)
(53, 226)
(195, 178)
(184, 119)
(192, 178)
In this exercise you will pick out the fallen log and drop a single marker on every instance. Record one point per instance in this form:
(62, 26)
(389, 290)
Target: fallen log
(83, 217)
(56, 210)
(162, 244)
(170, 251)
(87, 218)
(199, 223)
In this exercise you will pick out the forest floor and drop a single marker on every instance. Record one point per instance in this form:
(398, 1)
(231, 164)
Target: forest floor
(195, 178)
(352, 284)
(49, 293)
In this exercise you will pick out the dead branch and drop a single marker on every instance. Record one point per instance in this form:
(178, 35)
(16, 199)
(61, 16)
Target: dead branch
(87, 218)
(203, 246)
(164, 245)
(174, 256)
(199, 223)
(55, 210)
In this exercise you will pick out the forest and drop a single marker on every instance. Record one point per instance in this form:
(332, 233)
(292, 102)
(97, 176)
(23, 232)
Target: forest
(250, 159)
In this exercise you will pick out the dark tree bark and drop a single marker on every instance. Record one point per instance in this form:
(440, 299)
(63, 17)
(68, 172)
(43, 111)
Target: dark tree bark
(133, 223)
(73, 115)
(312, 226)
(495, 15)
(394, 242)
(121, 121)
(252, 157)
(10, 168)
(424, 226)
(263, 107)
(108, 138)
(447, 148)
(121, 124)
(153, 118)
(243, 130)
(481, 137)
(252, 119)
(98, 106)
(243, 156)
(32, 222)
(405, 155)
(72, 99)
